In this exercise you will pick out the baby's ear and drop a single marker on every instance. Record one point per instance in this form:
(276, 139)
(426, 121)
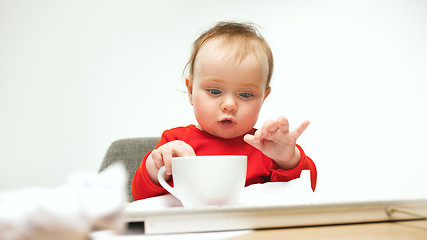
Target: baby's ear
(267, 92)
(189, 84)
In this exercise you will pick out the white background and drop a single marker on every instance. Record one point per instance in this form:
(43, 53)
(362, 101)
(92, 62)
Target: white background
(78, 75)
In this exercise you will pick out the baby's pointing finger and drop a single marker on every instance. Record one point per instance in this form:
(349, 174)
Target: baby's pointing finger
(299, 130)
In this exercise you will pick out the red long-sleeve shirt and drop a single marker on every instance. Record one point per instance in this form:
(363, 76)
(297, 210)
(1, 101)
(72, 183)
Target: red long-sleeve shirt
(260, 168)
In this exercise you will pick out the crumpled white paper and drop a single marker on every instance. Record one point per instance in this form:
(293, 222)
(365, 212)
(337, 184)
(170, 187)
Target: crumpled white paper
(70, 212)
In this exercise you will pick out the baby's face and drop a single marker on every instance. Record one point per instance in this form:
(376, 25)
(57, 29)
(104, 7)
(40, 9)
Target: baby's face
(227, 93)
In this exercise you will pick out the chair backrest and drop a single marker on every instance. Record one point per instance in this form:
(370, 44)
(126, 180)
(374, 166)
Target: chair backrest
(129, 151)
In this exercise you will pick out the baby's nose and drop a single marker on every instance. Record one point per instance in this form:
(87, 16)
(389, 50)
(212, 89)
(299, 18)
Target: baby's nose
(229, 104)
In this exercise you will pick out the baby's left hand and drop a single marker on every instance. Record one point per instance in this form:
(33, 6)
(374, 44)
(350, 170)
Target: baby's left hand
(275, 141)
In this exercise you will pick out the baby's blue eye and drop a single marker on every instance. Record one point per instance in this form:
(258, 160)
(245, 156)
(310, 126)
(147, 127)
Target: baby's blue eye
(246, 95)
(214, 91)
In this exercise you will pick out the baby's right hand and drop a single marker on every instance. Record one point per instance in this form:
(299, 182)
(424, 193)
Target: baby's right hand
(162, 156)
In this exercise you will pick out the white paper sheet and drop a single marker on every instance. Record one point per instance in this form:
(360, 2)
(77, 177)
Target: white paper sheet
(295, 192)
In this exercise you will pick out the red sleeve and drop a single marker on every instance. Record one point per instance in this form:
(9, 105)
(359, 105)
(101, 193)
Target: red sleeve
(280, 175)
(142, 187)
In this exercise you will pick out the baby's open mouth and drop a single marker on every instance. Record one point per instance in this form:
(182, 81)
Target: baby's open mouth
(227, 123)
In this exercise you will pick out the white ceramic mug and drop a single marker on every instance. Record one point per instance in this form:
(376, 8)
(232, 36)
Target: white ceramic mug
(206, 180)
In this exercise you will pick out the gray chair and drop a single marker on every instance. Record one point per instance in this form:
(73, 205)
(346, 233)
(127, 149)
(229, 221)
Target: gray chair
(130, 152)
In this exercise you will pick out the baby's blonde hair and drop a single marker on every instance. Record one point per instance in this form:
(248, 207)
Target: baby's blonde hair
(245, 35)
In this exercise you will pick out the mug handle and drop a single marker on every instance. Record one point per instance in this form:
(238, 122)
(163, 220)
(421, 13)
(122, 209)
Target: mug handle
(165, 185)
